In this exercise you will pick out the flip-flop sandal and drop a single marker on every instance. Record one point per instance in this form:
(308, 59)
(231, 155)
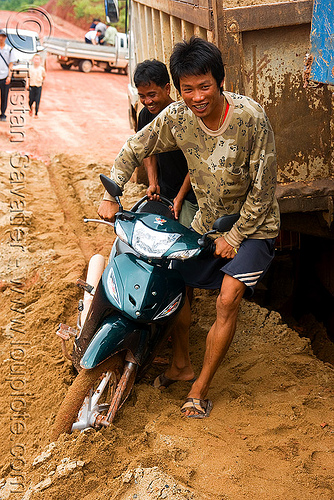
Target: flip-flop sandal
(203, 407)
(162, 382)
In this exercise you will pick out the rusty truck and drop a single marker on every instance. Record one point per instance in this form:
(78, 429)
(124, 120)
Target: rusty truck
(267, 50)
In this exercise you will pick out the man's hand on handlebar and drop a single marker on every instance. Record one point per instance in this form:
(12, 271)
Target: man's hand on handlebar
(107, 210)
(153, 192)
(223, 249)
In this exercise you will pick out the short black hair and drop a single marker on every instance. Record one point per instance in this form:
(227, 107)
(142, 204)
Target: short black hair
(196, 57)
(151, 70)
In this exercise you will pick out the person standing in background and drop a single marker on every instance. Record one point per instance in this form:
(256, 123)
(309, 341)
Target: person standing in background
(6, 69)
(36, 78)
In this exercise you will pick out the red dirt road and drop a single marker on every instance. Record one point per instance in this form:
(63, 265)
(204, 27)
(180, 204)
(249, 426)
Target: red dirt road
(80, 113)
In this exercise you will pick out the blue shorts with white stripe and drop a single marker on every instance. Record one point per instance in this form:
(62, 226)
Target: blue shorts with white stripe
(249, 266)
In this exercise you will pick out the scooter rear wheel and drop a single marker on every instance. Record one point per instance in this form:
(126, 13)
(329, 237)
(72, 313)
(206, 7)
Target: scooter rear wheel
(70, 407)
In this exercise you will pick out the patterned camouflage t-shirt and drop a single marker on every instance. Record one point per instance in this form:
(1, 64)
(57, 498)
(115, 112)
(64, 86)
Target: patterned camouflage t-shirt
(232, 169)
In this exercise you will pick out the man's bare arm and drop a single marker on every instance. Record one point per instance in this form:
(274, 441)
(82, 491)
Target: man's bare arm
(151, 167)
(178, 200)
(107, 210)
(10, 71)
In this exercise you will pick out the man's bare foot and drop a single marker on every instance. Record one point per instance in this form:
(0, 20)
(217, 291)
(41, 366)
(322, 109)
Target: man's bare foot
(184, 374)
(162, 382)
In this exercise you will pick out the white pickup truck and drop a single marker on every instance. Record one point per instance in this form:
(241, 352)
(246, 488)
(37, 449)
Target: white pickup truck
(24, 45)
(84, 56)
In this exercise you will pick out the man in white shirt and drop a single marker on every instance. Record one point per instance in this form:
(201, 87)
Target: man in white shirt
(92, 37)
(6, 69)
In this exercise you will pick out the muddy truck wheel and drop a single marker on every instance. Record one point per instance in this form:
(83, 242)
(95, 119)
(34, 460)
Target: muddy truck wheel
(70, 407)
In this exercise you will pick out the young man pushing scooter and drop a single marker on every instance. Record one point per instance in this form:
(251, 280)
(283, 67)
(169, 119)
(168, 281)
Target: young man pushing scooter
(229, 146)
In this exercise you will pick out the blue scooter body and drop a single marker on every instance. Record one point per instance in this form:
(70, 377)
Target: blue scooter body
(139, 291)
(141, 297)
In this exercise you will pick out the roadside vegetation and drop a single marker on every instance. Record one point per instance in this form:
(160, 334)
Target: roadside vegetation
(83, 10)
(19, 4)
(86, 10)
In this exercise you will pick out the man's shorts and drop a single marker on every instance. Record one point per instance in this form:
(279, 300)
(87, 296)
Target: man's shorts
(248, 266)
(187, 213)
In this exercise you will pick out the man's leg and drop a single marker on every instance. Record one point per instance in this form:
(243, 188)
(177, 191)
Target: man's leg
(31, 98)
(220, 335)
(4, 96)
(37, 99)
(181, 368)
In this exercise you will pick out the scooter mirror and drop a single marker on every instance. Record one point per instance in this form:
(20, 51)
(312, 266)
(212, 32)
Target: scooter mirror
(225, 222)
(111, 186)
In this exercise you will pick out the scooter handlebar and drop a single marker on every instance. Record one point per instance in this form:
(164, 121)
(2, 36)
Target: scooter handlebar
(101, 221)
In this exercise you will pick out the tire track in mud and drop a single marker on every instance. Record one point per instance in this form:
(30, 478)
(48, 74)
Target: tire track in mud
(62, 181)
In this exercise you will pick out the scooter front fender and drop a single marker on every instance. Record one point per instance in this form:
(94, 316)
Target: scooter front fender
(116, 334)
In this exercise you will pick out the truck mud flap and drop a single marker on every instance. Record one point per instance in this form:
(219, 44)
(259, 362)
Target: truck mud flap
(116, 334)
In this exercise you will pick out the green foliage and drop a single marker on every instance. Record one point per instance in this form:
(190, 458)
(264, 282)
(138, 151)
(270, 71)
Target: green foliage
(122, 10)
(83, 9)
(88, 9)
(19, 4)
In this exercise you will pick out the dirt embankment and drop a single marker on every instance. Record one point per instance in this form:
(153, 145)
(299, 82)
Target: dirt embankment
(65, 11)
(270, 434)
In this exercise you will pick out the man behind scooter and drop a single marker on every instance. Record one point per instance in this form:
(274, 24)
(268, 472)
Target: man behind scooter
(167, 172)
(229, 146)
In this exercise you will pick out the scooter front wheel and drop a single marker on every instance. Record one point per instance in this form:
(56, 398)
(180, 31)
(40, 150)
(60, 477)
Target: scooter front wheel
(84, 383)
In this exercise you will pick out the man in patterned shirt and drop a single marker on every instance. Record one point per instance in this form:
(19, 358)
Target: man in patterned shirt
(229, 146)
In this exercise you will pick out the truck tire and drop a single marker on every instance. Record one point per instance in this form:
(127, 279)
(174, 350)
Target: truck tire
(70, 407)
(65, 66)
(85, 66)
(126, 70)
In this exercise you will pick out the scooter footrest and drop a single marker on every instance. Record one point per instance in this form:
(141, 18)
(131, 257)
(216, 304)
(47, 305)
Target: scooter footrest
(65, 331)
(85, 286)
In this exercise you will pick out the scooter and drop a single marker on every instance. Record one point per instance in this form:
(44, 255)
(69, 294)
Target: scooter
(127, 307)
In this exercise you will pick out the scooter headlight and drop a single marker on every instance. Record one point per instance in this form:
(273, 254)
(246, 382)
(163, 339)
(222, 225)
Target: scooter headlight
(112, 287)
(151, 243)
(120, 232)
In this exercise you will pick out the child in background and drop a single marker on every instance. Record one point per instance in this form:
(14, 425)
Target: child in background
(36, 78)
